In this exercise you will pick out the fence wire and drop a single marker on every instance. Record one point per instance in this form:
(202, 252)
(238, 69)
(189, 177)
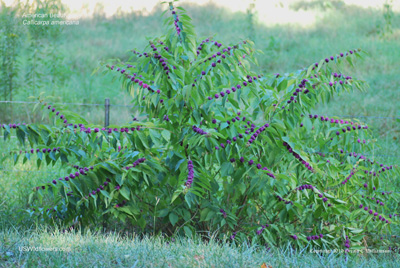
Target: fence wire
(67, 103)
(132, 106)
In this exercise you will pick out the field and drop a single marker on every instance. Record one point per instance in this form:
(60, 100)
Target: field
(286, 48)
(127, 250)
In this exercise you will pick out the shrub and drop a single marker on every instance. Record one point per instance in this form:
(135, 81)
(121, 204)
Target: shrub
(217, 147)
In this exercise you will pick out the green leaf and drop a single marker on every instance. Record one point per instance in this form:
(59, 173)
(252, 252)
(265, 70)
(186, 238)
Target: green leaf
(226, 169)
(166, 135)
(125, 192)
(173, 218)
(175, 195)
(188, 231)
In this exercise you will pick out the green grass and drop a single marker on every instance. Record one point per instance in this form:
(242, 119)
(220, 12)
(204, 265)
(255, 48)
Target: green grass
(85, 249)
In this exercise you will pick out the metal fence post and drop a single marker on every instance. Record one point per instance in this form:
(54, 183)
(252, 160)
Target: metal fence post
(107, 112)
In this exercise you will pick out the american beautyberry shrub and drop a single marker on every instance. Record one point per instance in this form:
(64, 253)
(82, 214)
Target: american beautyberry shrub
(218, 147)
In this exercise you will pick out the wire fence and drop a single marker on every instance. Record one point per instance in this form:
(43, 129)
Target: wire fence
(124, 117)
(132, 106)
(68, 103)
(121, 113)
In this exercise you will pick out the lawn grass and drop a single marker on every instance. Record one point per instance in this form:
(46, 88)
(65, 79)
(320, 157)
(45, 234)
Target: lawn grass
(85, 249)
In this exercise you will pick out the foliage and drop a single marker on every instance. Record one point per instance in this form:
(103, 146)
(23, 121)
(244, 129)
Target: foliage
(10, 43)
(250, 20)
(386, 29)
(45, 59)
(121, 250)
(217, 147)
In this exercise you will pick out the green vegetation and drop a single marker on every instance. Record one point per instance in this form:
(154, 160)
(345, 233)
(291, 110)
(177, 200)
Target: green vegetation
(123, 250)
(67, 75)
(286, 48)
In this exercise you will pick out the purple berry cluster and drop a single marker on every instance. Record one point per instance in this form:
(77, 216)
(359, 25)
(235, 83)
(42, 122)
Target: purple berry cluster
(199, 130)
(216, 96)
(100, 188)
(223, 53)
(347, 242)
(200, 47)
(108, 130)
(76, 167)
(294, 237)
(223, 212)
(283, 200)
(349, 177)
(136, 163)
(119, 205)
(234, 139)
(324, 199)
(134, 52)
(249, 128)
(176, 20)
(378, 202)
(258, 132)
(315, 237)
(44, 150)
(235, 119)
(14, 126)
(297, 156)
(259, 166)
(137, 79)
(162, 43)
(190, 176)
(337, 79)
(262, 229)
(297, 92)
(332, 58)
(61, 116)
(305, 186)
(370, 211)
(383, 167)
(354, 126)
(82, 171)
(163, 61)
(232, 237)
(127, 65)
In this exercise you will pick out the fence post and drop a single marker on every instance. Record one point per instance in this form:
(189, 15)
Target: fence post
(107, 112)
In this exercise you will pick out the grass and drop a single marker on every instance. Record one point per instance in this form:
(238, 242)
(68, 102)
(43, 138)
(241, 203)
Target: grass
(85, 249)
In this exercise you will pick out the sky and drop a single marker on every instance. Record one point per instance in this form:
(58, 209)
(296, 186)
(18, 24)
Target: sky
(268, 11)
